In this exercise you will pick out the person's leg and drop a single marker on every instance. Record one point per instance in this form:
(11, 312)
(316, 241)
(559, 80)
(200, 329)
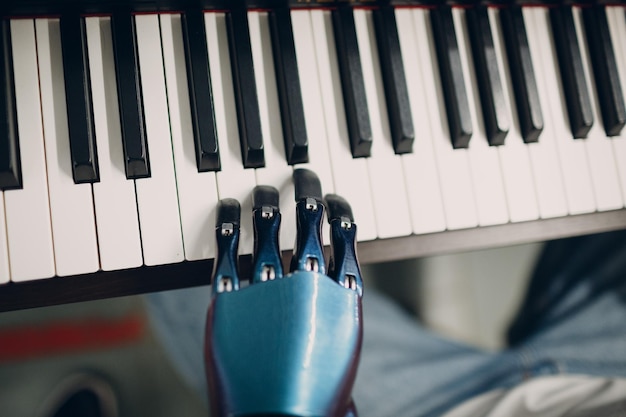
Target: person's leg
(573, 320)
(574, 316)
(408, 370)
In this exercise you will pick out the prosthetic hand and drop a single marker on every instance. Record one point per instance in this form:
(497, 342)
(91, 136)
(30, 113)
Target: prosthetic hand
(287, 344)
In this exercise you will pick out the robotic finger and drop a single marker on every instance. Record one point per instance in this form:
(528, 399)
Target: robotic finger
(287, 344)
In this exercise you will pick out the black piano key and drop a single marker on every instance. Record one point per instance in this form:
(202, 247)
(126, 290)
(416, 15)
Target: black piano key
(572, 72)
(610, 90)
(200, 91)
(10, 168)
(487, 75)
(129, 94)
(352, 83)
(248, 114)
(79, 104)
(452, 82)
(522, 73)
(392, 68)
(288, 83)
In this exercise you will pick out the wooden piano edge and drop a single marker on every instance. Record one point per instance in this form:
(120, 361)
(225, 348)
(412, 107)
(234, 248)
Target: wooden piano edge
(63, 290)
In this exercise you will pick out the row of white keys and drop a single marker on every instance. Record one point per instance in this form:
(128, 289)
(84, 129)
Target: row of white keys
(27, 211)
(484, 160)
(351, 178)
(197, 191)
(319, 159)
(420, 169)
(276, 172)
(5, 275)
(71, 205)
(157, 200)
(115, 201)
(617, 25)
(452, 164)
(604, 175)
(537, 162)
(384, 167)
(233, 181)
(572, 153)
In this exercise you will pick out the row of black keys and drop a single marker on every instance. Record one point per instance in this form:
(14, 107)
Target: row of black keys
(137, 163)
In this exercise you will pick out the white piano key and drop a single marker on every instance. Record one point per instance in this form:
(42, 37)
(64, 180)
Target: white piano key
(71, 205)
(197, 191)
(604, 174)
(391, 206)
(351, 178)
(5, 275)
(616, 17)
(159, 218)
(484, 159)
(233, 181)
(572, 153)
(27, 211)
(312, 102)
(544, 158)
(420, 169)
(619, 150)
(514, 161)
(276, 172)
(115, 202)
(453, 164)
(617, 25)
(319, 159)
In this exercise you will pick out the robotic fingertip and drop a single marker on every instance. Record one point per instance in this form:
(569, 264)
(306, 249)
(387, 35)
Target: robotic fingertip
(306, 185)
(265, 196)
(228, 211)
(338, 208)
(344, 265)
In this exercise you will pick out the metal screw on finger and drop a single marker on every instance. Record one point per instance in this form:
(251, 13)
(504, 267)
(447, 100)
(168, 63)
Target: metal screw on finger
(225, 285)
(227, 229)
(268, 273)
(311, 204)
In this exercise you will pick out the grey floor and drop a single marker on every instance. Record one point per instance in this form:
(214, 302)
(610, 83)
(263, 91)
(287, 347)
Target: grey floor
(468, 296)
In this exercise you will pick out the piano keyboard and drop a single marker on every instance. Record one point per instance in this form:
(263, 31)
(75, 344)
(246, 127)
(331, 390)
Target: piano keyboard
(120, 132)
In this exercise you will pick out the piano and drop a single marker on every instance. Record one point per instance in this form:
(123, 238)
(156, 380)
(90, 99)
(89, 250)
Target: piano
(447, 126)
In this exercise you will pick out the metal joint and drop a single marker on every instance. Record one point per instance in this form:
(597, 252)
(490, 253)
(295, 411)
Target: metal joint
(227, 229)
(268, 273)
(311, 204)
(350, 282)
(267, 212)
(312, 264)
(225, 285)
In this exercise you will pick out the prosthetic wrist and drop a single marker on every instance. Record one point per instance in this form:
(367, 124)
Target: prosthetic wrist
(287, 344)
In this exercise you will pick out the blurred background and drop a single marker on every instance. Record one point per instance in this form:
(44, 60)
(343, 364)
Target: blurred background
(64, 361)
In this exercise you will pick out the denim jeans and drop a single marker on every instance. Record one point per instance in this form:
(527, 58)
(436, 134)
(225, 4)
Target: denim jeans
(573, 320)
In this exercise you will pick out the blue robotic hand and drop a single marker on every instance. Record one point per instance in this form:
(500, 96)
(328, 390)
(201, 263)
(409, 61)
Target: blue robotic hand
(286, 344)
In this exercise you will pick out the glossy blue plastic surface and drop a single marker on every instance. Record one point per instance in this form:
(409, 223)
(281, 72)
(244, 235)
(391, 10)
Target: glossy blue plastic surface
(266, 250)
(312, 332)
(309, 237)
(226, 259)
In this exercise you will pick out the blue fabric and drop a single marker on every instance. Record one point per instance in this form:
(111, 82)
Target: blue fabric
(572, 321)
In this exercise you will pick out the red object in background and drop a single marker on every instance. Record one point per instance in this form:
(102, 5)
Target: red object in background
(52, 338)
